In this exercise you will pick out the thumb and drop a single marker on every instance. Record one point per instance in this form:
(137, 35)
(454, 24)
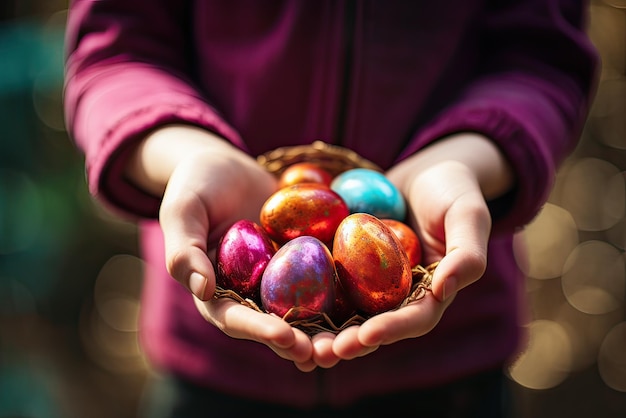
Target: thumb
(185, 225)
(467, 228)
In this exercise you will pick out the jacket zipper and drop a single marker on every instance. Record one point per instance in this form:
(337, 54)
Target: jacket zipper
(348, 42)
(349, 21)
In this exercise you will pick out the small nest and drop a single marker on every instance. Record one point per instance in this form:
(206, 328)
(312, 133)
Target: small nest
(318, 322)
(334, 159)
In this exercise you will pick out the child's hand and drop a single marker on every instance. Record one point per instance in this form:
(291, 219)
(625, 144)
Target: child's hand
(207, 185)
(446, 186)
(239, 321)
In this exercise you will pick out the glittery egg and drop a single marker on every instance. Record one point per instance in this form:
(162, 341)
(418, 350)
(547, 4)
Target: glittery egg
(371, 263)
(409, 239)
(300, 275)
(369, 191)
(303, 209)
(243, 253)
(304, 172)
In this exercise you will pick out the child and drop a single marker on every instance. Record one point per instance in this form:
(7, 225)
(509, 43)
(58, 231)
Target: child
(469, 106)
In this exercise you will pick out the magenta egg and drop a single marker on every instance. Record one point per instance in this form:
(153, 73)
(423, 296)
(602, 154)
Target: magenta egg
(300, 275)
(243, 253)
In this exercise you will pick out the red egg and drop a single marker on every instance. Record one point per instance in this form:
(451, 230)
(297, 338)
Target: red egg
(409, 239)
(309, 209)
(304, 172)
(300, 275)
(371, 263)
(243, 253)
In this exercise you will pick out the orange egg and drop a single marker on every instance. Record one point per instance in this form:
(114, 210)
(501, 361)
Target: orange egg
(372, 266)
(303, 209)
(409, 239)
(304, 173)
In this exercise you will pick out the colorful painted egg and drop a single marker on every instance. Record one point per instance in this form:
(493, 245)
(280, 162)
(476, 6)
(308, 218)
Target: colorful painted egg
(369, 191)
(371, 263)
(300, 275)
(303, 209)
(409, 239)
(243, 253)
(304, 172)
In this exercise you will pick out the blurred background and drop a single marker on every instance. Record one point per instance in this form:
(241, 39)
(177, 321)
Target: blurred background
(70, 275)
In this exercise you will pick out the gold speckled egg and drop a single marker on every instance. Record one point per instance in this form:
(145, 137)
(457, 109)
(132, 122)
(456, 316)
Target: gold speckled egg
(371, 263)
(303, 209)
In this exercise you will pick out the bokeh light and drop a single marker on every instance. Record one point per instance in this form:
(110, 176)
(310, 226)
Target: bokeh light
(594, 279)
(110, 324)
(593, 192)
(573, 253)
(612, 358)
(608, 31)
(608, 109)
(586, 333)
(547, 360)
(550, 238)
(619, 4)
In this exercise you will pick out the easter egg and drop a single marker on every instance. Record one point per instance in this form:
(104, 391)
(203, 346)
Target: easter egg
(243, 253)
(371, 264)
(304, 172)
(369, 191)
(409, 239)
(303, 209)
(300, 275)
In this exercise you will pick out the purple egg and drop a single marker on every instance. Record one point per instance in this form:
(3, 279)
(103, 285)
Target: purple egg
(243, 253)
(300, 275)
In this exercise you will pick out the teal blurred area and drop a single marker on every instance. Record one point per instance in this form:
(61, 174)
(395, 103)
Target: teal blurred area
(35, 52)
(54, 244)
(38, 172)
(70, 272)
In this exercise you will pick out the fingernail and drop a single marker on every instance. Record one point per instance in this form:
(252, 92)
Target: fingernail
(449, 287)
(197, 284)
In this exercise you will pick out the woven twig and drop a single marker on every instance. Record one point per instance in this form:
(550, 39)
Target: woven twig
(318, 322)
(333, 158)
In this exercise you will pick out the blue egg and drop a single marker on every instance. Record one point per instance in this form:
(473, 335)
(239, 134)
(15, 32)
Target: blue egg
(369, 191)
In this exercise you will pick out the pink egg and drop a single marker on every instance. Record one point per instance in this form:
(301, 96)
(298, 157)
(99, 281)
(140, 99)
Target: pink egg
(243, 253)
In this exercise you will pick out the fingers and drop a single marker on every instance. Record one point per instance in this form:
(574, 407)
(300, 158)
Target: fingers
(348, 346)
(413, 320)
(307, 366)
(241, 322)
(323, 354)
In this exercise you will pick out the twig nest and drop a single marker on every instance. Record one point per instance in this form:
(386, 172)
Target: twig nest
(317, 261)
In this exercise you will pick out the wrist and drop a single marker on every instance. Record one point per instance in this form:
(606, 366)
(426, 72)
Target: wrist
(481, 156)
(152, 159)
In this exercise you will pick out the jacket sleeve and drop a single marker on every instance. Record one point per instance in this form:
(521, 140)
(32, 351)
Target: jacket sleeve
(531, 97)
(126, 73)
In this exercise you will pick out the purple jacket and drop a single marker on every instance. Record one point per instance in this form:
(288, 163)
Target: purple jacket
(383, 78)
